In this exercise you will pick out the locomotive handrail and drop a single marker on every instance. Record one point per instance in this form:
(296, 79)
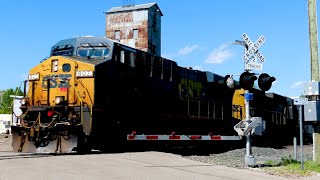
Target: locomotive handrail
(81, 103)
(44, 126)
(22, 122)
(87, 92)
(37, 121)
(12, 102)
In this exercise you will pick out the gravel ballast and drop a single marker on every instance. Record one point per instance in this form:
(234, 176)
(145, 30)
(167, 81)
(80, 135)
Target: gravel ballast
(262, 155)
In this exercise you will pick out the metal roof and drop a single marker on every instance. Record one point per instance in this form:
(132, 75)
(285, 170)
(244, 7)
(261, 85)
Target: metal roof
(76, 41)
(133, 8)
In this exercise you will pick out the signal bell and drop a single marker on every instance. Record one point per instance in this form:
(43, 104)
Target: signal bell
(247, 80)
(265, 81)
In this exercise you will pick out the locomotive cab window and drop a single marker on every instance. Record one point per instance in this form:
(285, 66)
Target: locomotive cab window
(94, 52)
(65, 51)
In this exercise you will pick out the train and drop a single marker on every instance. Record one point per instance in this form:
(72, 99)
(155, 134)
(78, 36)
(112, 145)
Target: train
(96, 93)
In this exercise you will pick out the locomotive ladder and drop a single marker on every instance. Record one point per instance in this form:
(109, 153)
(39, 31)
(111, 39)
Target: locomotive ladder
(45, 95)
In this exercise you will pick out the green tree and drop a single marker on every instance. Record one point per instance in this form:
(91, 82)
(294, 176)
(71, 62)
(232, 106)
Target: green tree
(6, 103)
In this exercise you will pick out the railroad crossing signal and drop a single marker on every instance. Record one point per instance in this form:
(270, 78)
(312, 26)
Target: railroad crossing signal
(252, 52)
(247, 80)
(265, 81)
(228, 80)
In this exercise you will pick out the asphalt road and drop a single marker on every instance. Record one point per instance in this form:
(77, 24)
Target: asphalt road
(133, 166)
(142, 165)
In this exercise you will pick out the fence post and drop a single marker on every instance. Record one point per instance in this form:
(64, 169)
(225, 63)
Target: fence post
(295, 148)
(316, 147)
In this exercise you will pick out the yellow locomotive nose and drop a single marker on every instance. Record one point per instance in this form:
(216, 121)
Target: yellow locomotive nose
(53, 107)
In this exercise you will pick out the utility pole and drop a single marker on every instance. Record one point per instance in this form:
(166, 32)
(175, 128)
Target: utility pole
(313, 35)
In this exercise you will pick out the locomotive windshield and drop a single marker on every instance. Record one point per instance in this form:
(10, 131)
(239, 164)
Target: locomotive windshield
(93, 52)
(87, 47)
(64, 51)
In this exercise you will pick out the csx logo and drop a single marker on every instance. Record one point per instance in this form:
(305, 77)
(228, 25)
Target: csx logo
(56, 81)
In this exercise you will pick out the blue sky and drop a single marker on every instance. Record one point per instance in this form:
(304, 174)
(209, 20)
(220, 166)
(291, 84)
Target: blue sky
(194, 33)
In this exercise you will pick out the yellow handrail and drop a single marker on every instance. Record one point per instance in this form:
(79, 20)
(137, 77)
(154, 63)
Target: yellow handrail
(81, 103)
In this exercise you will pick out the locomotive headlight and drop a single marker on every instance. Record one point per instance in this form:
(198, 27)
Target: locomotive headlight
(24, 101)
(84, 73)
(59, 100)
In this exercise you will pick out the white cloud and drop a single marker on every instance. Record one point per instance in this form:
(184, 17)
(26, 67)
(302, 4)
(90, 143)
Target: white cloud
(187, 50)
(298, 84)
(219, 55)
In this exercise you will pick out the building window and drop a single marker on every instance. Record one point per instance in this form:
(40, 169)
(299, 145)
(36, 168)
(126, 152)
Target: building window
(135, 33)
(117, 34)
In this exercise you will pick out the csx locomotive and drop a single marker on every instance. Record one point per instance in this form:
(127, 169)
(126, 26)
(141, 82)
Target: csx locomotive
(96, 93)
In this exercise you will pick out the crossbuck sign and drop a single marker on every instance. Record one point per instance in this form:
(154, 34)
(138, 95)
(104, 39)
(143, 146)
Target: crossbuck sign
(252, 51)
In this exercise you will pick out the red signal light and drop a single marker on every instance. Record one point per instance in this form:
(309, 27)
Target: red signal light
(50, 113)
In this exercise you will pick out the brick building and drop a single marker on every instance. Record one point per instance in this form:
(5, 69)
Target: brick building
(138, 26)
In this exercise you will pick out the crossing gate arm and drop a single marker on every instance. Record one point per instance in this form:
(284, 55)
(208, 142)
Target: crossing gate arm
(132, 137)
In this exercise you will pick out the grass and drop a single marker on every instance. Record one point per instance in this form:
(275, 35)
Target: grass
(308, 166)
(290, 167)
